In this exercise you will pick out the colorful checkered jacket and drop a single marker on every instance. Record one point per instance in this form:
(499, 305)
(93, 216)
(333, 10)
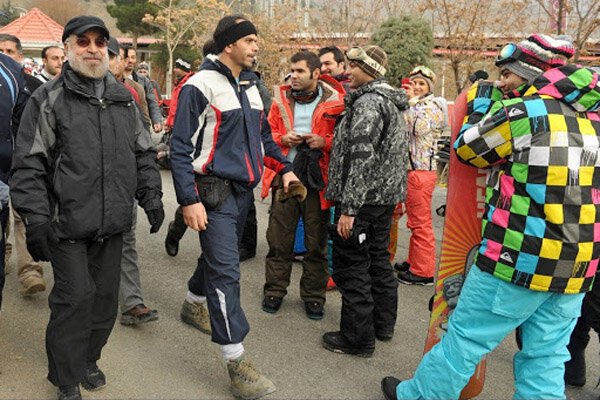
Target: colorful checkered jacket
(541, 226)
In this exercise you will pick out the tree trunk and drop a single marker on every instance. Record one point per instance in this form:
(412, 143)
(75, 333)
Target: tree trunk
(134, 38)
(169, 82)
(455, 67)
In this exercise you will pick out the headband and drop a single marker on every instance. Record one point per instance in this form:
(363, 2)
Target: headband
(233, 34)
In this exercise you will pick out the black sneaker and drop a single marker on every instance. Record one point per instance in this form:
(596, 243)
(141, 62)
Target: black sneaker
(408, 278)
(139, 314)
(271, 304)
(69, 392)
(388, 387)
(94, 379)
(171, 245)
(335, 341)
(314, 309)
(405, 266)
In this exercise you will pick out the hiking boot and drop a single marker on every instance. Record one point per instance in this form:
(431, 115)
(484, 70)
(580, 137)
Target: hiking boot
(196, 315)
(575, 367)
(405, 266)
(271, 304)
(314, 309)
(335, 341)
(408, 278)
(171, 244)
(69, 392)
(94, 379)
(246, 381)
(384, 336)
(388, 387)
(139, 314)
(246, 254)
(32, 284)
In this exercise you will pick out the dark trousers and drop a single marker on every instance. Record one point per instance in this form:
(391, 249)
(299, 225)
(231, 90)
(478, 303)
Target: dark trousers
(281, 232)
(217, 275)
(83, 305)
(3, 223)
(364, 276)
(247, 239)
(589, 319)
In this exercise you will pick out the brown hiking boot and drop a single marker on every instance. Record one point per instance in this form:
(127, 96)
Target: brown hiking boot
(196, 315)
(246, 382)
(32, 284)
(140, 314)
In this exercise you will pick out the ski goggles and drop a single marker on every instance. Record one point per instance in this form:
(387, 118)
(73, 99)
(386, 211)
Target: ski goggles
(423, 70)
(359, 54)
(513, 53)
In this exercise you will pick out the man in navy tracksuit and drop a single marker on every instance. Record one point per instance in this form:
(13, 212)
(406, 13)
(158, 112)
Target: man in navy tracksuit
(219, 135)
(13, 97)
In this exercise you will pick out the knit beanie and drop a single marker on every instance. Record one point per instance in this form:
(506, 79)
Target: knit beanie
(424, 73)
(143, 66)
(183, 64)
(378, 55)
(551, 52)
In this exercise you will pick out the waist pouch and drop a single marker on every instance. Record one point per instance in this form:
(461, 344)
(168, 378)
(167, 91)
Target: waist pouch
(212, 191)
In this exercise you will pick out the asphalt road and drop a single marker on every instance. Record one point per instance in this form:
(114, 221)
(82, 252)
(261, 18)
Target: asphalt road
(168, 359)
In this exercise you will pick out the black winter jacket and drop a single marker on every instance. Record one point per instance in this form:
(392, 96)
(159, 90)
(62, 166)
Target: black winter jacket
(79, 160)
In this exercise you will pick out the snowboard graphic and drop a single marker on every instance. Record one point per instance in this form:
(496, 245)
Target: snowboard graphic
(462, 235)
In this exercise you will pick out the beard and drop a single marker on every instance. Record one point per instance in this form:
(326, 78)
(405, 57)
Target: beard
(89, 71)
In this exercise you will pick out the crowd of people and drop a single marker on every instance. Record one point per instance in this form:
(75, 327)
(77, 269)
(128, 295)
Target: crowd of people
(335, 146)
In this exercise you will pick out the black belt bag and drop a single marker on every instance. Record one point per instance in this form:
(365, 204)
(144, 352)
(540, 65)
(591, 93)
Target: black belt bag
(212, 191)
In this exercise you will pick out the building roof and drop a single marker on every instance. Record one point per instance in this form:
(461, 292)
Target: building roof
(35, 27)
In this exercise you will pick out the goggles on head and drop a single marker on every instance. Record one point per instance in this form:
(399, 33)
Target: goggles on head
(358, 54)
(422, 70)
(512, 53)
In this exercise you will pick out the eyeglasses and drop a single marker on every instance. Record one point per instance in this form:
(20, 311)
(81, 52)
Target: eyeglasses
(358, 54)
(423, 70)
(83, 41)
(512, 53)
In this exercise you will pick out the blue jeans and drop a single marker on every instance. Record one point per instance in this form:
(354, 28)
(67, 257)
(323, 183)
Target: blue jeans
(487, 311)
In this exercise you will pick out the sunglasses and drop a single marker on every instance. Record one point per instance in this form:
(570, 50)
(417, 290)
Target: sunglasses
(358, 54)
(512, 53)
(82, 41)
(422, 70)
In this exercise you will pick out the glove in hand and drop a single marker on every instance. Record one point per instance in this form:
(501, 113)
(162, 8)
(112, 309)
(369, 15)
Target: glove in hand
(40, 238)
(155, 217)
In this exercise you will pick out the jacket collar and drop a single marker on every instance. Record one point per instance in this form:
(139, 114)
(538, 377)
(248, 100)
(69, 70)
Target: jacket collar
(113, 90)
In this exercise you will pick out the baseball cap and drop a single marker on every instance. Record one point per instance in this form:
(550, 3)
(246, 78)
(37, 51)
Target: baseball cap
(83, 23)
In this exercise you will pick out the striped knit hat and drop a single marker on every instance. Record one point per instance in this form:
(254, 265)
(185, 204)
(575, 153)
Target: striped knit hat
(550, 51)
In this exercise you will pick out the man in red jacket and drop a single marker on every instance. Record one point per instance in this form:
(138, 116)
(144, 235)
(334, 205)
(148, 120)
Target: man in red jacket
(182, 71)
(302, 119)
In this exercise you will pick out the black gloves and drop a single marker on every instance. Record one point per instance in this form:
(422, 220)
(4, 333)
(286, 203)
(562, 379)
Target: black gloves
(40, 237)
(155, 217)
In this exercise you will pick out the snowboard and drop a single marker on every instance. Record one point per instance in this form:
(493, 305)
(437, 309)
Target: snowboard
(465, 203)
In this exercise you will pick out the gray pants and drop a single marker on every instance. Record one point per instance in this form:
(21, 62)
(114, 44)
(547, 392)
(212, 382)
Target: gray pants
(130, 289)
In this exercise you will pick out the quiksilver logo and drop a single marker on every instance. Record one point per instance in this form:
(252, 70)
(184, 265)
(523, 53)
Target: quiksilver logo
(515, 112)
(506, 257)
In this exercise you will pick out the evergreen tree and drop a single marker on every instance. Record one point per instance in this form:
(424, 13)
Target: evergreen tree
(129, 14)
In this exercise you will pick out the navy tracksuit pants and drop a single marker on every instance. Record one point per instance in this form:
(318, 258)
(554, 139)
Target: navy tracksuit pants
(217, 275)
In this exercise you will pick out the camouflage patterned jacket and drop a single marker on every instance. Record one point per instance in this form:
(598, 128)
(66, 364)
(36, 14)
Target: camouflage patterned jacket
(369, 155)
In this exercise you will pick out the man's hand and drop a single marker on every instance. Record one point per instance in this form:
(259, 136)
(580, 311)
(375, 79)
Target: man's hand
(195, 217)
(40, 238)
(344, 226)
(287, 178)
(291, 139)
(314, 141)
(157, 127)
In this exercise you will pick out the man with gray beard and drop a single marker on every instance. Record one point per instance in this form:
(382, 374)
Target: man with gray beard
(81, 156)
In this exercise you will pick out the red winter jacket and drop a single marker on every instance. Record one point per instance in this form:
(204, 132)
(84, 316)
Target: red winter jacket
(175, 95)
(281, 119)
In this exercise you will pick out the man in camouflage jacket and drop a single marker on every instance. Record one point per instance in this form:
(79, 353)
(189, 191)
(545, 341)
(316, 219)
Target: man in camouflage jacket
(367, 178)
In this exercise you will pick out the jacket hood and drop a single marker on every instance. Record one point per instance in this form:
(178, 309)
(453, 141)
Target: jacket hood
(571, 84)
(383, 88)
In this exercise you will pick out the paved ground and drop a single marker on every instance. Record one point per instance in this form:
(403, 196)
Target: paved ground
(168, 359)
